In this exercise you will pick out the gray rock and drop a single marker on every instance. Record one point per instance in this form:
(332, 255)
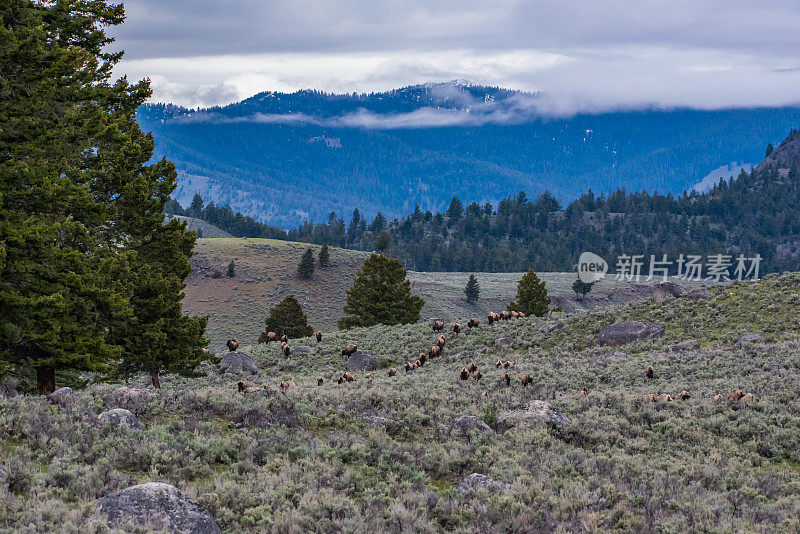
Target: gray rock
(666, 290)
(153, 505)
(750, 338)
(119, 417)
(362, 360)
(477, 481)
(504, 343)
(699, 294)
(62, 396)
(689, 344)
(534, 414)
(8, 388)
(302, 349)
(239, 362)
(628, 331)
(551, 326)
(468, 423)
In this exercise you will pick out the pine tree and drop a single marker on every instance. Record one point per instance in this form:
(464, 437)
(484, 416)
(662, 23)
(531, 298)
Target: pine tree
(306, 267)
(196, 207)
(531, 296)
(472, 290)
(380, 294)
(581, 287)
(324, 256)
(383, 241)
(455, 211)
(231, 269)
(769, 150)
(287, 318)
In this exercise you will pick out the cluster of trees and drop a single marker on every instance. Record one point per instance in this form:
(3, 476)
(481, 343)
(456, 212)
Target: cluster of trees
(224, 218)
(90, 277)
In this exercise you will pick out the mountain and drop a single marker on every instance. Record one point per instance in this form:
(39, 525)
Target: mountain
(286, 158)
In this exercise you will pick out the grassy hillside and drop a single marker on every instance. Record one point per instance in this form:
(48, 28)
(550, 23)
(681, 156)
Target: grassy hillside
(202, 227)
(266, 273)
(380, 455)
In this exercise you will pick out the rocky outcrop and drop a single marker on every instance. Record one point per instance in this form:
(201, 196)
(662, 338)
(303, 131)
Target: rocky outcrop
(153, 505)
(477, 481)
(699, 294)
(534, 414)
(362, 360)
(119, 417)
(629, 331)
(62, 396)
(239, 362)
(469, 423)
(666, 290)
(302, 349)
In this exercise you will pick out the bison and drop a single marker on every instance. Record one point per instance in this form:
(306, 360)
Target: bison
(435, 351)
(205, 351)
(649, 397)
(320, 381)
(477, 375)
(286, 385)
(349, 350)
(392, 371)
(684, 395)
(319, 336)
(736, 395)
(490, 318)
(526, 379)
(284, 338)
(440, 342)
(498, 364)
(717, 399)
(505, 315)
(409, 367)
(233, 344)
(437, 326)
(369, 376)
(464, 374)
(272, 336)
(508, 363)
(473, 322)
(505, 378)
(349, 377)
(456, 329)
(649, 372)
(521, 315)
(748, 397)
(582, 393)
(664, 398)
(472, 367)
(286, 350)
(514, 315)
(341, 380)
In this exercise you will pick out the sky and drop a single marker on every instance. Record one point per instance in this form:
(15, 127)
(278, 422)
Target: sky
(585, 55)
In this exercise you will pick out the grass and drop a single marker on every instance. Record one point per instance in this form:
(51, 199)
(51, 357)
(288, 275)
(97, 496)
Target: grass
(309, 459)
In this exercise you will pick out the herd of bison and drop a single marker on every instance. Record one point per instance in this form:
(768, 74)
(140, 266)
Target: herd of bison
(471, 371)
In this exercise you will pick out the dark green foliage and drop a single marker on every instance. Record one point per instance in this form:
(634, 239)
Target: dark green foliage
(581, 287)
(231, 269)
(472, 290)
(381, 294)
(305, 268)
(769, 150)
(287, 318)
(531, 296)
(383, 241)
(324, 256)
(455, 210)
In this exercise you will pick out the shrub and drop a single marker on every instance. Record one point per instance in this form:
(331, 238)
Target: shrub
(531, 296)
(288, 318)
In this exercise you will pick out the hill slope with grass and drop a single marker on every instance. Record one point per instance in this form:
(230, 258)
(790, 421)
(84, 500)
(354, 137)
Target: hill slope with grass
(390, 454)
(266, 272)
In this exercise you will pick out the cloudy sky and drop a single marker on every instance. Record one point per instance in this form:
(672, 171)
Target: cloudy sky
(585, 54)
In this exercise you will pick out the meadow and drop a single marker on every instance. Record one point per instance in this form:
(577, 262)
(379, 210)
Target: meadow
(384, 455)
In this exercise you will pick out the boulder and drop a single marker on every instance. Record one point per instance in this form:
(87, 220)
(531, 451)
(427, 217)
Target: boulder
(551, 326)
(683, 346)
(468, 423)
(699, 294)
(302, 349)
(62, 396)
(628, 331)
(534, 414)
(153, 505)
(362, 360)
(477, 481)
(666, 290)
(8, 388)
(750, 338)
(239, 362)
(119, 417)
(504, 343)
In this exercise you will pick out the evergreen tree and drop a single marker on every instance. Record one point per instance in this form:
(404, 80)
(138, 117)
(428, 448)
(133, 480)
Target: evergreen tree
(324, 256)
(531, 296)
(472, 290)
(196, 207)
(287, 318)
(231, 269)
(306, 267)
(581, 287)
(381, 294)
(455, 211)
(383, 241)
(770, 148)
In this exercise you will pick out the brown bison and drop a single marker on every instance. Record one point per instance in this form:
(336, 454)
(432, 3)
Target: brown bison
(464, 374)
(437, 326)
(717, 399)
(649, 372)
(320, 381)
(736, 395)
(526, 379)
(521, 315)
(319, 336)
(514, 315)
(684, 395)
(748, 397)
(392, 371)
(505, 315)
(286, 385)
(472, 367)
(233, 344)
(272, 336)
(417, 364)
(490, 318)
(341, 380)
(349, 377)
(369, 376)
(649, 397)
(477, 375)
(456, 329)
(505, 378)
(664, 398)
(286, 350)
(284, 338)
(205, 351)
(582, 393)
(349, 350)
(435, 351)
(498, 364)
(473, 322)
(508, 363)
(440, 342)
(422, 358)
(409, 367)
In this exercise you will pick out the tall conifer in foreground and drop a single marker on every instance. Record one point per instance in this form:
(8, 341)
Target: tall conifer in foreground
(472, 290)
(306, 267)
(287, 318)
(381, 294)
(531, 296)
